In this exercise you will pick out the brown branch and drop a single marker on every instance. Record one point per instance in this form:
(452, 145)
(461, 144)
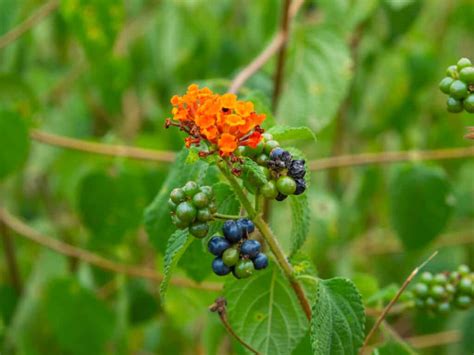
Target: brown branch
(10, 258)
(436, 339)
(393, 301)
(470, 133)
(390, 157)
(30, 22)
(219, 306)
(275, 45)
(59, 246)
(104, 149)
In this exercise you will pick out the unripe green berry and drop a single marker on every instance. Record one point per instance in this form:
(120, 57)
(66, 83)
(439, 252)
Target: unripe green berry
(267, 137)
(458, 89)
(240, 151)
(204, 215)
(190, 188)
(454, 105)
(207, 190)
(269, 190)
(445, 84)
(199, 230)
(463, 63)
(244, 269)
(454, 276)
(443, 308)
(467, 75)
(286, 185)
(186, 212)
(437, 292)
(172, 206)
(426, 277)
(463, 270)
(262, 159)
(419, 303)
(430, 302)
(421, 290)
(200, 200)
(465, 285)
(177, 195)
(212, 207)
(452, 71)
(462, 301)
(257, 150)
(231, 256)
(265, 172)
(440, 279)
(468, 103)
(180, 224)
(270, 145)
(450, 289)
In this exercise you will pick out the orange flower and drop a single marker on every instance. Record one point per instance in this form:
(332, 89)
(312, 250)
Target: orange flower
(228, 101)
(227, 143)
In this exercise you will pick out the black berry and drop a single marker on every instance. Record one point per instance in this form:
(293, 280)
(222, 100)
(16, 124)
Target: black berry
(217, 245)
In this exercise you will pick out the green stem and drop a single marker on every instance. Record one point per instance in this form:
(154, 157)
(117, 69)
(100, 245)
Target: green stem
(270, 239)
(225, 216)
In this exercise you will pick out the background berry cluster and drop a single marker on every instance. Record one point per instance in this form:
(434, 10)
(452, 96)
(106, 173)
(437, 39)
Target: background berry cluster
(459, 85)
(235, 252)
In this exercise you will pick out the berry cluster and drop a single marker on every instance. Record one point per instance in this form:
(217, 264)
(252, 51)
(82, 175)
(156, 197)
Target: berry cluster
(235, 252)
(441, 292)
(192, 206)
(459, 85)
(285, 175)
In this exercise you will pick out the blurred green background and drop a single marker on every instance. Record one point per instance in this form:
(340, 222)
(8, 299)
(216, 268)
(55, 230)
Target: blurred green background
(363, 74)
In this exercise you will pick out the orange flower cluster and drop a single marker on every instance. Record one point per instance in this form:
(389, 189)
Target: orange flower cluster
(222, 120)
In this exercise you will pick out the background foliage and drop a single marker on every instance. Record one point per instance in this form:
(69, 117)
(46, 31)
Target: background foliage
(362, 74)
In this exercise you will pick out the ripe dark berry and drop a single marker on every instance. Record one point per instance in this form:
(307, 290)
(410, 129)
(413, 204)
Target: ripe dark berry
(217, 245)
(454, 105)
(286, 185)
(276, 153)
(186, 212)
(230, 257)
(458, 89)
(200, 200)
(445, 84)
(232, 231)
(219, 267)
(246, 225)
(260, 261)
(244, 269)
(190, 188)
(269, 190)
(199, 230)
(281, 197)
(300, 186)
(250, 248)
(177, 195)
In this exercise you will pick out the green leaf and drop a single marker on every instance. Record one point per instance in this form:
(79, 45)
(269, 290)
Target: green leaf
(177, 245)
(337, 325)
(157, 217)
(394, 348)
(252, 171)
(14, 144)
(420, 204)
(264, 311)
(319, 73)
(143, 304)
(284, 133)
(300, 221)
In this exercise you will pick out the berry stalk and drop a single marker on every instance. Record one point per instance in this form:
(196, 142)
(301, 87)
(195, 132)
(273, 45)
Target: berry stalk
(270, 239)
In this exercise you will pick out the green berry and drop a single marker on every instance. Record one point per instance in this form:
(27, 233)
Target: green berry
(452, 71)
(463, 270)
(207, 190)
(437, 292)
(186, 212)
(265, 172)
(257, 150)
(231, 256)
(467, 75)
(177, 195)
(443, 308)
(190, 188)
(445, 84)
(454, 105)
(269, 190)
(200, 200)
(465, 285)
(199, 230)
(426, 277)
(267, 137)
(419, 303)
(463, 301)
(172, 206)
(262, 159)
(270, 145)
(458, 89)
(286, 185)
(440, 279)
(421, 290)
(430, 302)
(244, 269)
(463, 63)
(204, 215)
(468, 103)
(450, 289)
(212, 207)
(240, 151)
(454, 276)
(178, 222)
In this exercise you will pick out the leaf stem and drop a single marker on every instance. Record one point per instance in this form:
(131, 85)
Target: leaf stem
(225, 216)
(270, 239)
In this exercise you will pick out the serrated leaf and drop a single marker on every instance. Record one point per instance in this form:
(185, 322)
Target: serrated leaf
(251, 170)
(157, 218)
(319, 73)
(300, 220)
(337, 325)
(264, 311)
(177, 245)
(420, 204)
(284, 133)
(14, 144)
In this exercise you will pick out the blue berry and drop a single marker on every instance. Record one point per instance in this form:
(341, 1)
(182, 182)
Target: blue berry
(217, 245)
(297, 169)
(232, 231)
(276, 153)
(219, 267)
(280, 197)
(250, 248)
(300, 186)
(246, 225)
(260, 261)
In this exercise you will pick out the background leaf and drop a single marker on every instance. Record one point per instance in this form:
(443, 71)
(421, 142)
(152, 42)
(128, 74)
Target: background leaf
(283, 133)
(14, 144)
(300, 221)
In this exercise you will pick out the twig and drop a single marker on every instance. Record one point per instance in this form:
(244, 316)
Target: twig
(59, 246)
(276, 43)
(436, 339)
(105, 149)
(470, 133)
(10, 258)
(219, 306)
(30, 22)
(390, 157)
(226, 216)
(393, 301)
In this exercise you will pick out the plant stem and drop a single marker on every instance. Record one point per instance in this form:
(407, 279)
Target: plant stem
(270, 239)
(10, 257)
(225, 216)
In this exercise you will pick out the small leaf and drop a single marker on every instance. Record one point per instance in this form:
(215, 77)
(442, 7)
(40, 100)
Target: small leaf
(264, 311)
(284, 133)
(14, 144)
(420, 204)
(300, 220)
(337, 325)
(177, 245)
(251, 170)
